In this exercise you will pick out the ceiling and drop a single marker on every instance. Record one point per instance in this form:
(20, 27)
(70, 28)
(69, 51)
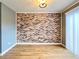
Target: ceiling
(31, 5)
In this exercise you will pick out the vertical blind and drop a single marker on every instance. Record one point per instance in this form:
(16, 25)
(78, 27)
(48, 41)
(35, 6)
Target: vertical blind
(72, 30)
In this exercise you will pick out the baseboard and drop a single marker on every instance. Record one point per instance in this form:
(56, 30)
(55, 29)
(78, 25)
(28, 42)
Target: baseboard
(7, 50)
(63, 45)
(38, 43)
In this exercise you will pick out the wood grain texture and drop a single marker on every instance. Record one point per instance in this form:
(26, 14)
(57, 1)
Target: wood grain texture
(38, 52)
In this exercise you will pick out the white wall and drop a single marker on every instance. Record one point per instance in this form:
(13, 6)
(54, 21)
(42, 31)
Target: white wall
(8, 27)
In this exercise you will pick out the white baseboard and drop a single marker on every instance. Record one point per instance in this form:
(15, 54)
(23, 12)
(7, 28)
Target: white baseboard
(38, 43)
(7, 50)
(63, 45)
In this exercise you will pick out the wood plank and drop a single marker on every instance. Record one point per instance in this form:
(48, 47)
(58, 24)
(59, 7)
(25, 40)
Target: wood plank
(38, 52)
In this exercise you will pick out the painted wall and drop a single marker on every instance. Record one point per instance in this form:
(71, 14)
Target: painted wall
(38, 27)
(8, 27)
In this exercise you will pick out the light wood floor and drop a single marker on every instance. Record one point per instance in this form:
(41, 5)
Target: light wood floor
(38, 52)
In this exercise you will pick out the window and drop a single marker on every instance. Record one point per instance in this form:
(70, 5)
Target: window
(72, 30)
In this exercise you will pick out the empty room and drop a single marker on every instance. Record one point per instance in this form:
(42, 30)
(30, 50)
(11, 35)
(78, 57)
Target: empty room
(39, 29)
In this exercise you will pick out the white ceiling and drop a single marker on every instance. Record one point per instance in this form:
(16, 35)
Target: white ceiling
(30, 6)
